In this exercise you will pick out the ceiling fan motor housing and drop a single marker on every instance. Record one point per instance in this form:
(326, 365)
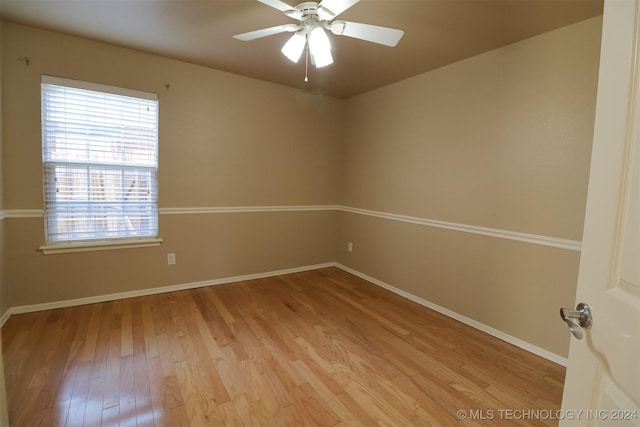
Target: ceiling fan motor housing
(307, 14)
(308, 10)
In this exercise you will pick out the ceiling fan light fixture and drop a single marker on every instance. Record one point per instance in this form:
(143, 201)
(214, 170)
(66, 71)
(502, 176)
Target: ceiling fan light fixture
(320, 47)
(294, 47)
(314, 18)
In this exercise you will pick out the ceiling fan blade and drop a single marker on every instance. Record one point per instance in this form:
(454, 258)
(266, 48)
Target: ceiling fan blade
(371, 33)
(252, 35)
(333, 8)
(288, 10)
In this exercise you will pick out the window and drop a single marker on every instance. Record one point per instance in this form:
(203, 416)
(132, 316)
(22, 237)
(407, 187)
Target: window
(100, 160)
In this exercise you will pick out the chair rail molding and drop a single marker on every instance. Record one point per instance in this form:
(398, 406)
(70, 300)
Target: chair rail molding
(555, 242)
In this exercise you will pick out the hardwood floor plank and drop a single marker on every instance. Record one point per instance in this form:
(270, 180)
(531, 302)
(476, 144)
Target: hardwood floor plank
(363, 416)
(180, 418)
(111, 396)
(220, 329)
(172, 393)
(24, 362)
(40, 418)
(200, 364)
(221, 308)
(315, 406)
(317, 348)
(166, 359)
(381, 411)
(261, 415)
(239, 412)
(53, 378)
(57, 413)
(102, 343)
(193, 400)
(127, 397)
(126, 330)
(332, 402)
(280, 364)
(320, 366)
(93, 410)
(150, 342)
(27, 407)
(109, 417)
(236, 375)
(179, 338)
(271, 391)
(428, 409)
(157, 390)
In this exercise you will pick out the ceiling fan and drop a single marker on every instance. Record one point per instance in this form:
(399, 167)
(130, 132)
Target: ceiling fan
(314, 18)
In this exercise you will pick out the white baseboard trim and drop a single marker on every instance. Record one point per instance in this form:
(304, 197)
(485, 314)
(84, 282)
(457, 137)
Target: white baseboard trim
(467, 321)
(153, 291)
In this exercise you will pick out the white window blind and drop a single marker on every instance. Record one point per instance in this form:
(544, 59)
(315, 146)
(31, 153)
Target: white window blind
(100, 157)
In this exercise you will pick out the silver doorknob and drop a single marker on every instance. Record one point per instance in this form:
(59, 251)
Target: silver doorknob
(577, 319)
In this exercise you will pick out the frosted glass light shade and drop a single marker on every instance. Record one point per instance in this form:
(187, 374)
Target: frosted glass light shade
(320, 47)
(294, 47)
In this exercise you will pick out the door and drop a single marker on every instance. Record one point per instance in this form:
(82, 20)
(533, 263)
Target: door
(603, 375)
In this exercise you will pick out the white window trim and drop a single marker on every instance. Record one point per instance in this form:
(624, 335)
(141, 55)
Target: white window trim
(78, 84)
(110, 244)
(91, 246)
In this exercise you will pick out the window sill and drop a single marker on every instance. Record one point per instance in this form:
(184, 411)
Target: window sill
(62, 248)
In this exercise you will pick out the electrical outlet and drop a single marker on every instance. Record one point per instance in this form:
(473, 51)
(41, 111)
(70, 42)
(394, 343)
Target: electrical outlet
(350, 247)
(171, 259)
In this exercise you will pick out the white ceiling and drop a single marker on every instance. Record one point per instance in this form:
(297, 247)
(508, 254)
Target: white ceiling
(437, 33)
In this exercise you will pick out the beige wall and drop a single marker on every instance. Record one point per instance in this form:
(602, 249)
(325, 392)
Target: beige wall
(4, 413)
(3, 287)
(501, 140)
(4, 300)
(207, 247)
(225, 140)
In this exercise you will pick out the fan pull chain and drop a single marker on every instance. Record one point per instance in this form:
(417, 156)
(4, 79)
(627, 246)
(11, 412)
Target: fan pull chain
(306, 65)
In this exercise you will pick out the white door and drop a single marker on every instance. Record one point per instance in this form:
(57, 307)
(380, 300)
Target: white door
(603, 376)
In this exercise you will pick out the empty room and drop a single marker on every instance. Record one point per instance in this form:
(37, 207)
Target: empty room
(354, 213)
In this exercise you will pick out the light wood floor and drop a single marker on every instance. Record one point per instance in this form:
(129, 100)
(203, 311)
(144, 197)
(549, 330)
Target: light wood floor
(314, 348)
